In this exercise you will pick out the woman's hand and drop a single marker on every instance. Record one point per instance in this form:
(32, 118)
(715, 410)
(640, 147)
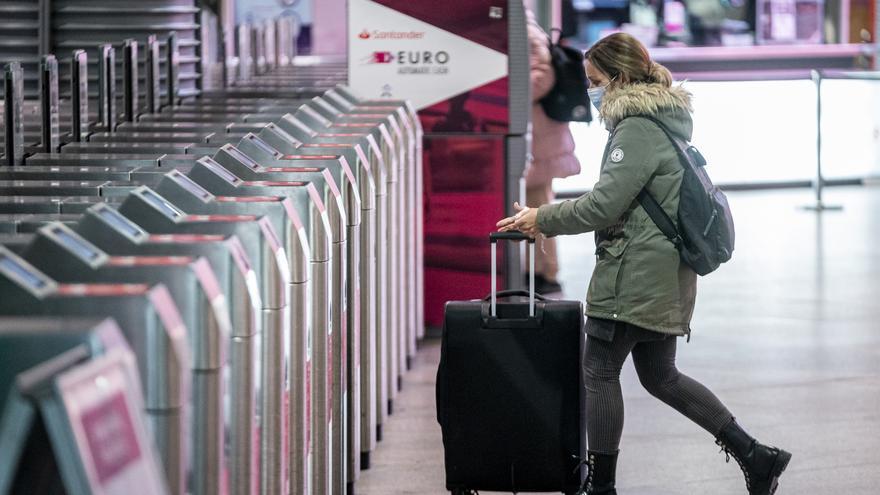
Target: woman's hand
(525, 221)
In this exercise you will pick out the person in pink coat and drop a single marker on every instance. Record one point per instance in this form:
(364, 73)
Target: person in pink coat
(552, 153)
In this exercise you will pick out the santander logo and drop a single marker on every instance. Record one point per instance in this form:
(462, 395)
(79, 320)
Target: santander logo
(377, 34)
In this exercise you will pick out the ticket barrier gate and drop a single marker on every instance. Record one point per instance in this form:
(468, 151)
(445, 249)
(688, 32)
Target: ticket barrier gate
(249, 163)
(391, 380)
(404, 205)
(302, 224)
(143, 136)
(189, 127)
(152, 326)
(354, 171)
(345, 100)
(16, 243)
(28, 341)
(136, 148)
(28, 223)
(291, 135)
(46, 204)
(126, 147)
(65, 256)
(74, 424)
(158, 215)
(195, 116)
(133, 160)
(114, 233)
(50, 188)
(374, 260)
(67, 173)
(328, 288)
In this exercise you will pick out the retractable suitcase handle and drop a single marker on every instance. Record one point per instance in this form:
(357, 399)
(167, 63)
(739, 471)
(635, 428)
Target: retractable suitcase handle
(494, 237)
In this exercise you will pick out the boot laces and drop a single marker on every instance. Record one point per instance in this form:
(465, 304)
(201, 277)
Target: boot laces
(590, 462)
(728, 454)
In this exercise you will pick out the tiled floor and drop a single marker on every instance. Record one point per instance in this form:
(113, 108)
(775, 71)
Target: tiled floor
(787, 335)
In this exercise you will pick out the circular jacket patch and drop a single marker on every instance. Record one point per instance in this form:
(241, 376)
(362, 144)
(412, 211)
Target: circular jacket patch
(616, 155)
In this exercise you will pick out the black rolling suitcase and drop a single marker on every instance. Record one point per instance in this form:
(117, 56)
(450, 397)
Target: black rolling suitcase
(509, 391)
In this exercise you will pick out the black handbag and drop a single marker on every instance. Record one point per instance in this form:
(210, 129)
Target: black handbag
(568, 100)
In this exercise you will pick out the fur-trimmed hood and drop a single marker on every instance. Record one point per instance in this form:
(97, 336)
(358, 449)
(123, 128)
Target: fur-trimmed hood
(670, 104)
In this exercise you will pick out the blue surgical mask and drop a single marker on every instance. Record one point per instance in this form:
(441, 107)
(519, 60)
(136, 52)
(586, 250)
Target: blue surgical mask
(596, 95)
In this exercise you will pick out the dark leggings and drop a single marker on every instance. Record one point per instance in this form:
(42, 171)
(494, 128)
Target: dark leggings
(654, 359)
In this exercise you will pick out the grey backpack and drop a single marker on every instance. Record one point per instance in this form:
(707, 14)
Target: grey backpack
(705, 235)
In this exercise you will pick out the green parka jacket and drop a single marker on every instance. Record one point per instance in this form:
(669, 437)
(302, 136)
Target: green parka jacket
(639, 278)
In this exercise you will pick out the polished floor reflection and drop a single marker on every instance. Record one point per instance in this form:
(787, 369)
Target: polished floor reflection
(787, 335)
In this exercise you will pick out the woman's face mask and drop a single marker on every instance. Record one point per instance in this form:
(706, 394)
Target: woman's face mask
(596, 95)
(596, 92)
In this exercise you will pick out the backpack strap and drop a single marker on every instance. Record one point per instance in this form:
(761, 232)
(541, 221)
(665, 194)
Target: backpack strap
(650, 205)
(659, 216)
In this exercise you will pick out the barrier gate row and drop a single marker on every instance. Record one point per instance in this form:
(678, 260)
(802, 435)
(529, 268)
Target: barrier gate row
(257, 248)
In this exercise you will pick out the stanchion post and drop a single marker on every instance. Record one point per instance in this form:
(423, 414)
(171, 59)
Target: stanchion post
(819, 181)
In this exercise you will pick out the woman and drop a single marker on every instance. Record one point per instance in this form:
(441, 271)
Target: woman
(641, 296)
(552, 152)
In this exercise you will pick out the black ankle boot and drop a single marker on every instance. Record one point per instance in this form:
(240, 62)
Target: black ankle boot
(600, 479)
(761, 464)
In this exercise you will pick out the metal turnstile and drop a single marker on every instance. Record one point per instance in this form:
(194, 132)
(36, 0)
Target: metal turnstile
(259, 239)
(114, 233)
(291, 223)
(151, 324)
(65, 256)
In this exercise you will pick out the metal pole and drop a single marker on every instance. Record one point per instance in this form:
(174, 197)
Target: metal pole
(819, 181)
(293, 33)
(130, 78)
(45, 29)
(530, 248)
(173, 68)
(14, 96)
(494, 275)
(152, 76)
(107, 88)
(244, 52)
(224, 57)
(226, 12)
(817, 80)
(257, 47)
(79, 95)
(282, 42)
(51, 135)
(269, 45)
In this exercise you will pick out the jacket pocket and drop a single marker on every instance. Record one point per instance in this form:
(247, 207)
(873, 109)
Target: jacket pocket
(605, 284)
